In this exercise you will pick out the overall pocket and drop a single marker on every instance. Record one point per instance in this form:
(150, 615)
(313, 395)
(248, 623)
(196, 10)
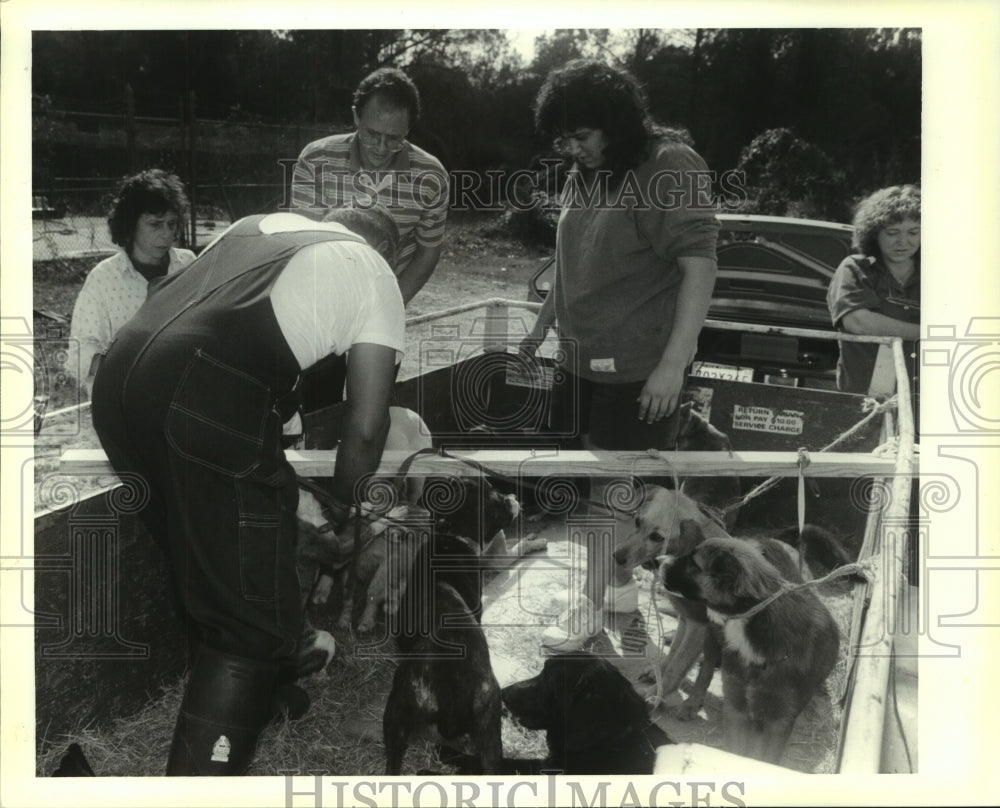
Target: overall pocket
(267, 536)
(259, 538)
(220, 417)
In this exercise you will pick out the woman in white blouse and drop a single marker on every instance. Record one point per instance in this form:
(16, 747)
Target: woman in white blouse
(145, 219)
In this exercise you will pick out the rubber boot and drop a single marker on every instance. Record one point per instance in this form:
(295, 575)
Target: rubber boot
(227, 702)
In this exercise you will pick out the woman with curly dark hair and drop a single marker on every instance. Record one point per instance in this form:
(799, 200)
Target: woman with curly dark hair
(877, 290)
(635, 269)
(145, 219)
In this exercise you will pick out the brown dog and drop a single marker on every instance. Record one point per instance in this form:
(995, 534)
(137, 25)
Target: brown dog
(324, 555)
(482, 519)
(669, 523)
(774, 660)
(662, 527)
(332, 555)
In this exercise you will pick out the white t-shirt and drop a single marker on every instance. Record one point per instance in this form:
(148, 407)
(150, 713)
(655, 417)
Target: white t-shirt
(334, 294)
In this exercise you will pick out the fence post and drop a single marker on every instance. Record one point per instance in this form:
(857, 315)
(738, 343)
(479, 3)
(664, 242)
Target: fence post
(130, 128)
(495, 334)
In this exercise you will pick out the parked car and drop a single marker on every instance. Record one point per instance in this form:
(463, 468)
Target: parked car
(773, 271)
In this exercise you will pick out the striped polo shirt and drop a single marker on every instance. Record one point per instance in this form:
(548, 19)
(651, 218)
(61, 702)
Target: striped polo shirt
(414, 189)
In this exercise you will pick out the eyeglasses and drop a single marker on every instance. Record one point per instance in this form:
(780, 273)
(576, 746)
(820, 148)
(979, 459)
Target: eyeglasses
(563, 143)
(392, 143)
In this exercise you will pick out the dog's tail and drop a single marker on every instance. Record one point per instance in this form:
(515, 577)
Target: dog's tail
(821, 550)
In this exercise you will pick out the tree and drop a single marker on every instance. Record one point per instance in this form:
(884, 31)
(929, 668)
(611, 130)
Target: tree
(854, 94)
(787, 176)
(555, 49)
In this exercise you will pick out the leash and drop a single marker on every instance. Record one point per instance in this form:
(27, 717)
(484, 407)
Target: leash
(862, 568)
(356, 513)
(803, 461)
(656, 648)
(486, 471)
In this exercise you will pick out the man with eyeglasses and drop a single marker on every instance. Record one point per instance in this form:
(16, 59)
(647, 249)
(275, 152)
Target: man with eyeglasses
(377, 163)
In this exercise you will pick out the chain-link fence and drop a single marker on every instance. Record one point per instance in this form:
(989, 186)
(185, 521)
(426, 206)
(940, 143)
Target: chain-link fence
(230, 169)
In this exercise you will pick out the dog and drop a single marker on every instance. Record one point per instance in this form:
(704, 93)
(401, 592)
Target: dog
(332, 555)
(820, 550)
(406, 525)
(388, 542)
(594, 721)
(773, 661)
(656, 532)
(497, 555)
(444, 684)
(74, 763)
(670, 523)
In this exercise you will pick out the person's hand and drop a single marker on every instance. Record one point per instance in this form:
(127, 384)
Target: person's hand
(661, 393)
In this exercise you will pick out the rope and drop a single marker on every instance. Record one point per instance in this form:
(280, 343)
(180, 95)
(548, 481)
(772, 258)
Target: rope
(862, 568)
(656, 648)
(357, 513)
(803, 461)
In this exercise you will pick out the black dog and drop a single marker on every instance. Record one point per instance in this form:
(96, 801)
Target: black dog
(595, 722)
(444, 682)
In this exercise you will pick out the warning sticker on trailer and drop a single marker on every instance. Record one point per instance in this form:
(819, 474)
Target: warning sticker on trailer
(764, 419)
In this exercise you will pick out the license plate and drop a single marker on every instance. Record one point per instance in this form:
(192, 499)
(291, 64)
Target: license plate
(712, 370)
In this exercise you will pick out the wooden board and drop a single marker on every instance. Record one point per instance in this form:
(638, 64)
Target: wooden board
(550, 461)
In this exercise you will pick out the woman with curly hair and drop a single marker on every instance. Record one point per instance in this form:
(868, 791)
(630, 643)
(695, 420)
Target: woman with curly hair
(635, 269)
(877, 290)
(145, 219)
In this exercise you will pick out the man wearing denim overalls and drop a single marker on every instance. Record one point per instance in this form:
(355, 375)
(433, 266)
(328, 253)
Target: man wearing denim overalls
(192, 395)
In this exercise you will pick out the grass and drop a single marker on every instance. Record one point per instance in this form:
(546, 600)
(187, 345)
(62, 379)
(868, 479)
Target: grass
(340, 734)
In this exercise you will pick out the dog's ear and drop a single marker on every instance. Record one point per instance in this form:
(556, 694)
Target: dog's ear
(742, 572)
(723, 568)
(691, 536)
